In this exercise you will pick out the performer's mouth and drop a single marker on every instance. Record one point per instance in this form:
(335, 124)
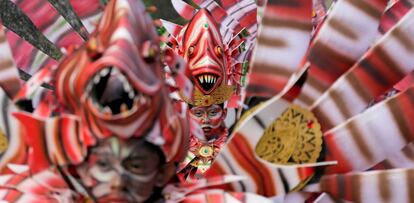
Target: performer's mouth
(207, 130)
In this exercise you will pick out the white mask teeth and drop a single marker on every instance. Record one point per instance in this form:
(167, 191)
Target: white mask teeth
(115, 71)
(96, 79)
(89, 88)
(211, 79)
(127, 86)
(104, 72)
(131, 94)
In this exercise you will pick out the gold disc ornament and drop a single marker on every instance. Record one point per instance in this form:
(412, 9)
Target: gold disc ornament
(206, 151)
(293, 138)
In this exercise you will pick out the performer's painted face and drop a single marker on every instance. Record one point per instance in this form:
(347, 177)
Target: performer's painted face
(210, 118)
(124, 170)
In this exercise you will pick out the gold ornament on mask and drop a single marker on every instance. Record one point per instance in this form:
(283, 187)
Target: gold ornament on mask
(293, 138)
(218, 96)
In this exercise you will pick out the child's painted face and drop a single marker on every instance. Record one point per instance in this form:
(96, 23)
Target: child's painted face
(210, 118)
(123, 171)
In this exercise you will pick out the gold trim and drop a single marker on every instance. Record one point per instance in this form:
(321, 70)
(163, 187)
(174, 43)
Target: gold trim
(218, 96)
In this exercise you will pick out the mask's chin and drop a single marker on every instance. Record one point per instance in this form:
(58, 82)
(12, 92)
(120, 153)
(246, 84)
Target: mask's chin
(112, 94)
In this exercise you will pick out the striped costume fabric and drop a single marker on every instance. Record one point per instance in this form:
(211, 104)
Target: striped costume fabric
(50, 187)
(341, 40)
(9, 76)
(393, 14)
(11, 129)
(400, 159)
(403, 158)
(33, 87)
(219, 196)
(183, 9)
(282, 42)
(381, 67)
(54, 141)
(195, 192)
(385, 124)
(372, 186)
(46, 186)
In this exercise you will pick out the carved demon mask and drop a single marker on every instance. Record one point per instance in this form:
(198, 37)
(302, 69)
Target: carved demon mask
(203, 49)
(114, 82)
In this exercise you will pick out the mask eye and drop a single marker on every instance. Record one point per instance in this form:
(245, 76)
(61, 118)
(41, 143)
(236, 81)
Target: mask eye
(190, 51)
(219, 51)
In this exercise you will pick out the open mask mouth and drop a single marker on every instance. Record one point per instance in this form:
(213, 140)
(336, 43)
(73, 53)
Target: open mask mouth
(112, 94)
(207, 81)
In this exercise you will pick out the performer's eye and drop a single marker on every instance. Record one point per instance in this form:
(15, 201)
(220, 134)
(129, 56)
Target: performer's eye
(190, 51)
(103, 165)
(197, 113)
(219, 50)
(213, 113)
(134, 166)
